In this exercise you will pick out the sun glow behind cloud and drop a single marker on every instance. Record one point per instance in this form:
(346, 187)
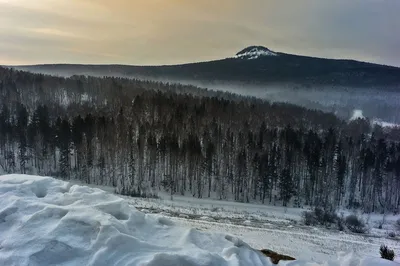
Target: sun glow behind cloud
(178, 31)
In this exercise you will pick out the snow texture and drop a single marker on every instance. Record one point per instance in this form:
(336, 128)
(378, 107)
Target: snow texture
(274, 227)
(44, 221)
(254, 52)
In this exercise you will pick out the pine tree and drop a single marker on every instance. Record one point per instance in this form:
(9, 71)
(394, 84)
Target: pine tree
(341, 171)
(77, 139)
(210, 151)
(132, 162)
(64, 145)
(286, 186)
(22, 119)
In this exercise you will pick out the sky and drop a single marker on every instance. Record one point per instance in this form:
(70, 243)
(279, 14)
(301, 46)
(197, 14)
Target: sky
(154, 32)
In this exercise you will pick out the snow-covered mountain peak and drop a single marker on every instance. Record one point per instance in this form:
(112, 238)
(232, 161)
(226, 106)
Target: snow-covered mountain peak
(254, 52)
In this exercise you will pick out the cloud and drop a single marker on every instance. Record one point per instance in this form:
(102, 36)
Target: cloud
(178, 31)
(54, 32)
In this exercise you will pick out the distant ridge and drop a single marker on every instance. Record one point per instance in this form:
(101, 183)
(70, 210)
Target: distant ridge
(255, 65)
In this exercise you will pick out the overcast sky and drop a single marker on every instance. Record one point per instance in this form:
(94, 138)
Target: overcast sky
(177, 31)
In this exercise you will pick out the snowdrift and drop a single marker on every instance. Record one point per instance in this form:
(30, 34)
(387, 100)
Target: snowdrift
(44, 221)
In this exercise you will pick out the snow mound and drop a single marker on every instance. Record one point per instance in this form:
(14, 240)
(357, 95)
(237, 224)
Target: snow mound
(44, 221)
(254, 52)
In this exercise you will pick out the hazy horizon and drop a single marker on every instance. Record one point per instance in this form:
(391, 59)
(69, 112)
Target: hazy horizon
(157, 32)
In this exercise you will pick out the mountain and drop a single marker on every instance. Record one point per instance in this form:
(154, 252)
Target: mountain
(254, 65)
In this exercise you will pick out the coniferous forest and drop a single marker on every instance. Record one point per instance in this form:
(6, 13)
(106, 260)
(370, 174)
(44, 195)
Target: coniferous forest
(142, 137)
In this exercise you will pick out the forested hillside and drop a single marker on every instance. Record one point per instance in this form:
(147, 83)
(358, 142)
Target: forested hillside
(142, 137)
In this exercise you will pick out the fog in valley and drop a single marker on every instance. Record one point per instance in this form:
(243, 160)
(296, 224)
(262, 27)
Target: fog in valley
(380, 106)
(374, 104)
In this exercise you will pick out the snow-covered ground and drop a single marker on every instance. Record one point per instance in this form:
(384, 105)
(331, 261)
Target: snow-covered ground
(44, 221)
(239, 213)
(272, 227)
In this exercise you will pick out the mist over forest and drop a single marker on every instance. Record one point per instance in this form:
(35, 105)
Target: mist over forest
(379, 104)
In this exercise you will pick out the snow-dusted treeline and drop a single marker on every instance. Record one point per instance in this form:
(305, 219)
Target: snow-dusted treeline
(142, 137)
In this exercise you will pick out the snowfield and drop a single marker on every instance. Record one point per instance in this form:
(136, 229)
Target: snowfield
(44, 221)
(272, 227)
